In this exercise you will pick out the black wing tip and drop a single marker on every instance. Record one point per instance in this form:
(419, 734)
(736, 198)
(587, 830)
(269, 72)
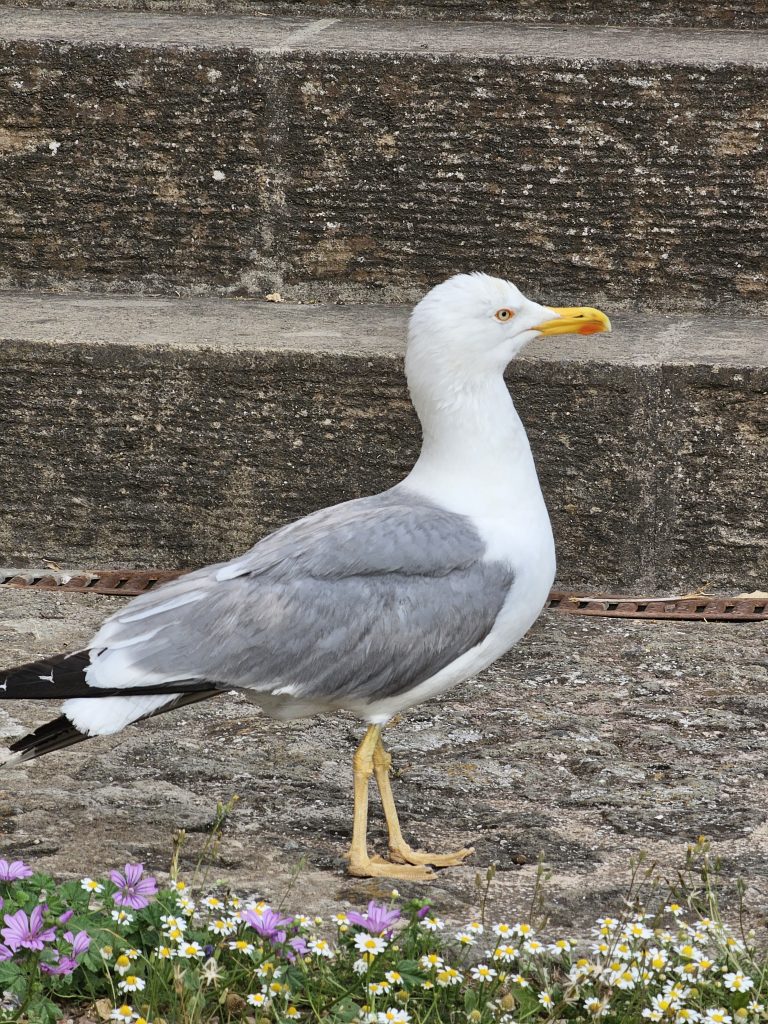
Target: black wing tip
(60, 675)
(55, 735)
(61, 733)
(63, 677)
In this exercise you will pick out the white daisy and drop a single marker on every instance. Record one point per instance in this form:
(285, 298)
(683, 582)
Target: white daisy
(320, 948)
(393, 1016)
(171, 923)
(190, 950)
(131, 983)
(124, 1013)
(372, 944)
(448, 976)
(241, 946)
(221, 926)
(482, 972)
(735, 981)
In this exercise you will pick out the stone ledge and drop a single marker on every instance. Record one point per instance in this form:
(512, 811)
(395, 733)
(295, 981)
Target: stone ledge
(638, 339)
(368, 35)
(173, 433)
(713, 14)
(362, 161)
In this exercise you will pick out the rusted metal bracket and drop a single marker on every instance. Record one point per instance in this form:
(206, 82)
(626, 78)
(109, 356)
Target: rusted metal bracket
(693, 608)
(118, 582)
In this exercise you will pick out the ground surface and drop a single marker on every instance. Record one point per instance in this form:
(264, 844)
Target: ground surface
(594, 740)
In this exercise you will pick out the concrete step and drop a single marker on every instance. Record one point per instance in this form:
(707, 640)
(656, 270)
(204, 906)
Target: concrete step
(160, 433)
(364, 160)
(748, 14)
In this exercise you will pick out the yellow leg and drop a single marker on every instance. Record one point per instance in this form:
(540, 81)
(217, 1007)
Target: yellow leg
(399, 850)
(360, 864)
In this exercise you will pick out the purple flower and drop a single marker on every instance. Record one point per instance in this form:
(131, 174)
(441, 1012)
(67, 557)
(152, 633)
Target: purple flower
(80, 943)
(14, 871)
(267, 923)
(424, 912)
(5, 953)
(377, 919)
(295, 945)
(66, 916)
(133, 889)
(66, 965)
(27, 932)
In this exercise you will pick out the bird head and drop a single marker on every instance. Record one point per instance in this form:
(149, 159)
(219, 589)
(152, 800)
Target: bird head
(473, 324)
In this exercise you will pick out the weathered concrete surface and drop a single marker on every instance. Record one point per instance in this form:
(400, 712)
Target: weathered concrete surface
(594, 740)
(365, 159)
(688, 13)
(174, 433)
(290, 35)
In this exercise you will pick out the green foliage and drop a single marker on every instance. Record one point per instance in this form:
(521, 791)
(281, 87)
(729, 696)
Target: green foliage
(217, 959)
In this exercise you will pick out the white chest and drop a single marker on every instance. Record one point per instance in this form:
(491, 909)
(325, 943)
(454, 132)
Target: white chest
(476, 462)
(525, 542)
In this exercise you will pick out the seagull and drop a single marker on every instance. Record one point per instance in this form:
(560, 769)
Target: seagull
(370, 606)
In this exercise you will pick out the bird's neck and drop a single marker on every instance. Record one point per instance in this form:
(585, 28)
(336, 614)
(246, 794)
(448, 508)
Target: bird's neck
(475, 456)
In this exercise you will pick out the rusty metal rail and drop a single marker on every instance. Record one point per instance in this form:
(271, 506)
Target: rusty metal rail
(118, 582)
(693, 608)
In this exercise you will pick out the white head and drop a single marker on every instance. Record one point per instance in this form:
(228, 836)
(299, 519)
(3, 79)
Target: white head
(469, 328)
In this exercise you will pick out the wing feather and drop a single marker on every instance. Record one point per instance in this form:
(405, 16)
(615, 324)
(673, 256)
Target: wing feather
(363, 600)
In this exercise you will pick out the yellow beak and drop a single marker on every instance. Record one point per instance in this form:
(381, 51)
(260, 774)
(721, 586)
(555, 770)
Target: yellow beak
(575, 320)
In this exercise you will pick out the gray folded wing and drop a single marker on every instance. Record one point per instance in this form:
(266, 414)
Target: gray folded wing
(363, 600)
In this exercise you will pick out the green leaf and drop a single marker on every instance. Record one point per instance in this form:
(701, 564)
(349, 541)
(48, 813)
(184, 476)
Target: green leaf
(43, 1011)
(12, 977)
(41, 881)
(346, 1011)
(408, 966)
(191, 980)
(295, 979)
(73, 895)
(412, 977)
(526, 999)
(93, 960)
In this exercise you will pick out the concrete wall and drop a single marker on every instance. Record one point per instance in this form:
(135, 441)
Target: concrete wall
(146, 444)
(364, 163)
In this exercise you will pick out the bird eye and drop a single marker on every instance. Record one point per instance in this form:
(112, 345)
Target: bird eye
(504, 314)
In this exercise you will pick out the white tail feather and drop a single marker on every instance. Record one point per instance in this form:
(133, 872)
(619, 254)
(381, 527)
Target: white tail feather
(110, 714)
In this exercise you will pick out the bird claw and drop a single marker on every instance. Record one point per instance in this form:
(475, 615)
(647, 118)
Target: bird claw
(405, 855)
(377, 867)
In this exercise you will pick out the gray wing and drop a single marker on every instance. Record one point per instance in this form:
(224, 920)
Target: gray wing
(363, 600)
